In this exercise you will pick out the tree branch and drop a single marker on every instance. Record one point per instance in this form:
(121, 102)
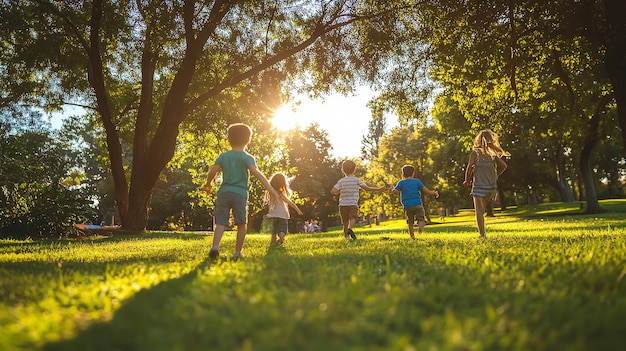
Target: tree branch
(272, 60)
(83, 41)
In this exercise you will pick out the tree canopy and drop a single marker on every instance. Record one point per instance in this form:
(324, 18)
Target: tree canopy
(148, 68)
(161, 80)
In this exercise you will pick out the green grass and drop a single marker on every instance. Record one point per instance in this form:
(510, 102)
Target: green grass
(547, 278)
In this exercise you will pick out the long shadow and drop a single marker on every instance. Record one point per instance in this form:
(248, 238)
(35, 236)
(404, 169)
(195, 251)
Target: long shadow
(135, 321)
(173, 315)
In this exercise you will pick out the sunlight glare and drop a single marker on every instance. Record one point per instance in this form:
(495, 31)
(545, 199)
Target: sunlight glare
(285, 118)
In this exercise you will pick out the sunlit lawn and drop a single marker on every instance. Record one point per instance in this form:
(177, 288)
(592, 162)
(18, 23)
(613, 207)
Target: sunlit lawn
(547, 278)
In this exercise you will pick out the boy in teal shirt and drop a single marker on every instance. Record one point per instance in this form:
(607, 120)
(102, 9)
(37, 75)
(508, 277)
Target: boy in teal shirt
(233, 193)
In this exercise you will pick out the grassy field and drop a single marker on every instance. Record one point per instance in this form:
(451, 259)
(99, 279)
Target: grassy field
(546, 278)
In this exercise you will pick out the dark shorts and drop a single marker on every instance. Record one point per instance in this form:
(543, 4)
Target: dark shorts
(348, 212)
(228, 201)
(415, 213)
(279, 225)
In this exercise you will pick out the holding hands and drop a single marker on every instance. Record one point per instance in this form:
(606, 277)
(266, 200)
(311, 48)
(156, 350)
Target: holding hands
(207, 188)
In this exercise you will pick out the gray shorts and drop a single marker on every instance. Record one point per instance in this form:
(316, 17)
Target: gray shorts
(228, 201)
(415, 213)
(279, 225)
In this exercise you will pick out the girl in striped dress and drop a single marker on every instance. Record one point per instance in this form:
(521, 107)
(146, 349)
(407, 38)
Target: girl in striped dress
(483, 169)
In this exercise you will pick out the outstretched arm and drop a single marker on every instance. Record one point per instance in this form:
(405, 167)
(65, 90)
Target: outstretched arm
(291, 203)
(261, 177)
(369, 188)
(207, 188)
(434, 193)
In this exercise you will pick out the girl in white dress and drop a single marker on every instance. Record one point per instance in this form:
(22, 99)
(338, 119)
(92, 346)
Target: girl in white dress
(279, 207)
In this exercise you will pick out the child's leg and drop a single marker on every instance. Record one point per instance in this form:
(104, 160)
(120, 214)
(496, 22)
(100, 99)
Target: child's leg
(346, 226)
(352, 222)
(485, 203)
(273, 240)
(479, 209)
(241, 236)
(411, 231)
(420, 226)
(222, 212)
(217, 235)
(281, 237)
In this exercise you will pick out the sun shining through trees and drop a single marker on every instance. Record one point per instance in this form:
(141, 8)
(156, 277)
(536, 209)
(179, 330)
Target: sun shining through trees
(285, 118)
(344, 118)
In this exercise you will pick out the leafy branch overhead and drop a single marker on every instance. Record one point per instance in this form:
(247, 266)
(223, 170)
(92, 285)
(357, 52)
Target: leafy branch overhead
(146, 67)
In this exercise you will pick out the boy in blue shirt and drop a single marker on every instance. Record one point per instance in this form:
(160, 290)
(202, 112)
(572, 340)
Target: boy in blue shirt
(233, 193)
(411, 198)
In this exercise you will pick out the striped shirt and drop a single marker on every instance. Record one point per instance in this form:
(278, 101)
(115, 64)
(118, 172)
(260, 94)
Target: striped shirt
(348, 188)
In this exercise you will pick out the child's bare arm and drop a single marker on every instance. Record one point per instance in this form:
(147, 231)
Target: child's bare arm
(261, 177)
(434, 193)
(209, 178)
(291, 203)
(500, 165)
(469, 170)
(369, 188)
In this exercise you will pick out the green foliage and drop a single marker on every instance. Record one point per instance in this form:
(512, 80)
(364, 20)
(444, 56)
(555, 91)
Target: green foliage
(534, 72)
(40, 193)
(151, 71)
(414, 146)
(316, 173)
(546, 278)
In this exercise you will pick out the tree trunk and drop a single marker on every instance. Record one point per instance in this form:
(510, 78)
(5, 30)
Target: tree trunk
(591, 140)
(137, 217)
(566, 191)
(593, 206)
(615, 57)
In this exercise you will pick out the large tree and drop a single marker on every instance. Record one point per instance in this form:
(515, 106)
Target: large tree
(144, 67)
(538, 69)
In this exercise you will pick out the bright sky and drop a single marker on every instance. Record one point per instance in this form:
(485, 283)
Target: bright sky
(344, 118)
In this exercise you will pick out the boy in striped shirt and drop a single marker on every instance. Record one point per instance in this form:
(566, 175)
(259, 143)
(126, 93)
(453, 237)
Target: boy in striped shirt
(348, 189)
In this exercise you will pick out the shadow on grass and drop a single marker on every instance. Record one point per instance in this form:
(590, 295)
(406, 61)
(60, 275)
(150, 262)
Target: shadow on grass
(138, 322)
(25, 246)
(371, 294)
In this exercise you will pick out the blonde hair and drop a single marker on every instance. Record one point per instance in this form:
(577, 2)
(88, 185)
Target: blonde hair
(280, 183)
(488, 144)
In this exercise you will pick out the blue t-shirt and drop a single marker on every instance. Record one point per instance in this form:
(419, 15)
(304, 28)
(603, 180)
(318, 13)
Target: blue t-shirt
(409, 189)
(235, 174)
